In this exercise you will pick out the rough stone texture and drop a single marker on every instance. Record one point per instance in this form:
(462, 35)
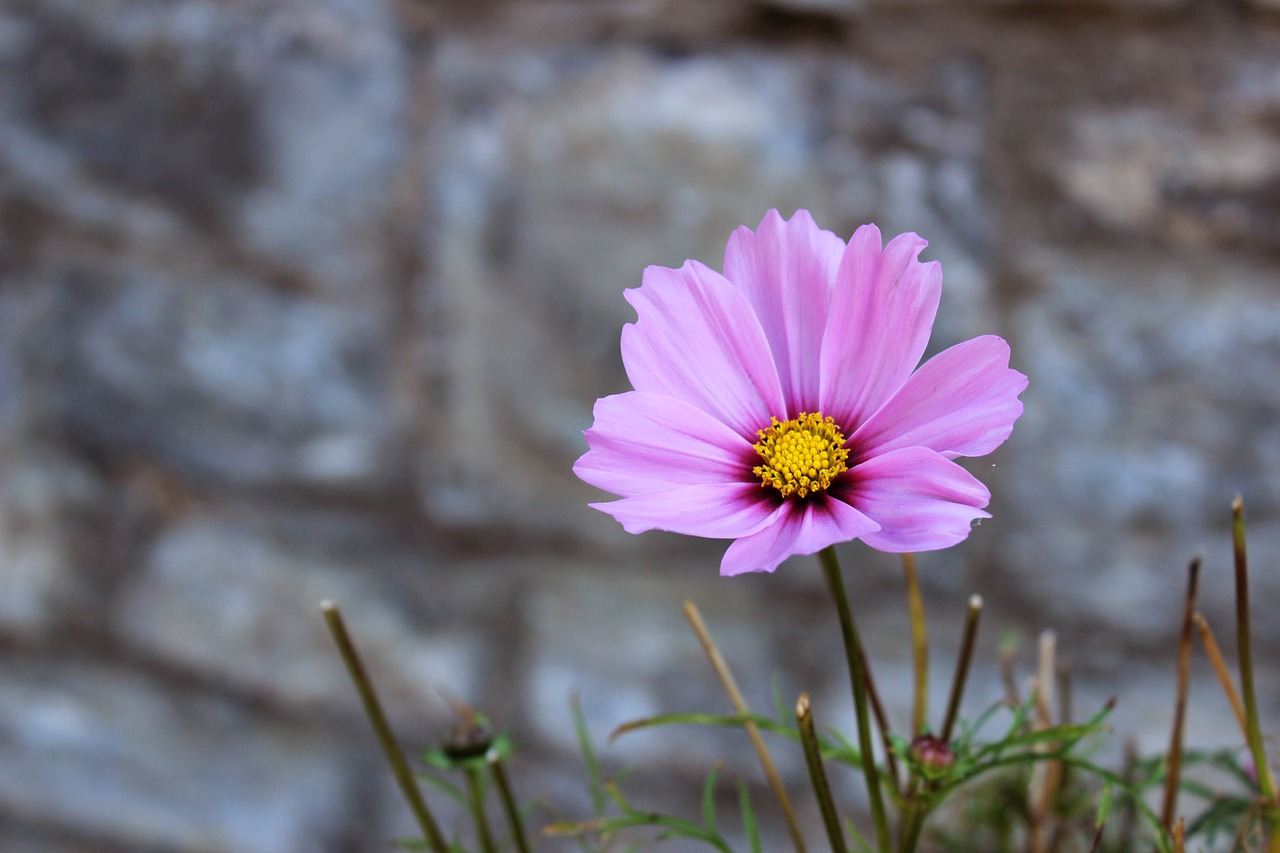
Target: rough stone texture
(45, 501)
(105, 751)
(233, 601)
(312, 299)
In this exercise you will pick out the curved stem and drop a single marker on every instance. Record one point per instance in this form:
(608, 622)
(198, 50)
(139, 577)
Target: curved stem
(730, 686)
(852, 653)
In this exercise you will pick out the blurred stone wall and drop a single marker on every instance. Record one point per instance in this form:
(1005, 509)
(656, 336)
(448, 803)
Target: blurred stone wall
(311, 298)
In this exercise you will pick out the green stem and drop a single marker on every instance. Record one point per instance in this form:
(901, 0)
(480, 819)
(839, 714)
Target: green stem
(813, 758)
(508, 800)
(1173, 767)
(919, 646)
(373, 710)
(962, 666)
(912, 825)
(852, 653)
(1247, 693)
(916, 809)
(882, 722)
(475, 797)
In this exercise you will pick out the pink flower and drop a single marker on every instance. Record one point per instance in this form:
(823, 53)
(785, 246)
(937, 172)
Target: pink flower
(780, 404)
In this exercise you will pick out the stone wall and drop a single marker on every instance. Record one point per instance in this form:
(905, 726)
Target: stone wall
(312, 298)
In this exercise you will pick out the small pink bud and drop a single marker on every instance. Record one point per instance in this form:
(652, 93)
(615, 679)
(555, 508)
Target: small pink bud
(932, 752)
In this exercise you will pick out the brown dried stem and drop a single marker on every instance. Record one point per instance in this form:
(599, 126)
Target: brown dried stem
(1045, 777)
(1220, 669)
(972, 616)
(753, 731)
(373, 710)
(882, 722)
(1173, 771)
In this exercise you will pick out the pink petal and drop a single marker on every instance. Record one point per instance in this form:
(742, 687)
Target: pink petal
(961, 402)
(697, 338)
(800, 528)
(921, 500)
(881, 314)
(786, 270)
(643, 443)
(716, 511)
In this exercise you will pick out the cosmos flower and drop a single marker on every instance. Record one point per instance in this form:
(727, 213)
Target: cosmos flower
(780, 404)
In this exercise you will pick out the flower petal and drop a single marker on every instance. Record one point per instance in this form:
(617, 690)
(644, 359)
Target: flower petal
(921, 500)
(786, 269)
(643, 443)
(961, 402)
(881, 314)
(715, 510)
(800, 528)
(697, 338)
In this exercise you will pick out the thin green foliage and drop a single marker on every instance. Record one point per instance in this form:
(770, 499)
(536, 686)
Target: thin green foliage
(613, 813)
(750, 827)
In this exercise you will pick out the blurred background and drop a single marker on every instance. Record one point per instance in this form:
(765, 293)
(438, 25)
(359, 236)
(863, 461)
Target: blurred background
(312, 298)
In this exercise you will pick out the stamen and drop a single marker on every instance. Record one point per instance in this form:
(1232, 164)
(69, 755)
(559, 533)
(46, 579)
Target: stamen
(801, 455)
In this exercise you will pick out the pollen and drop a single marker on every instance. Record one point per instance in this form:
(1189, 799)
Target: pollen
(802, 455)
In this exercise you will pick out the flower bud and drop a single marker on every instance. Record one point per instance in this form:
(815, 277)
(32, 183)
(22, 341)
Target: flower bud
(469, 740)
(932, 753)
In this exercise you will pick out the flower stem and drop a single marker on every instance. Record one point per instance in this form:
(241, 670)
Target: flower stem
(475, 792)
(912, 825)
(508, 800)
(1214, 653)
(1173, 771)
(919, 646)
(962, 666)
(377, 719)
(1244, 640)
(915, 812)
(813, 758)
(1266, 785)
(753, 731)
(852, 653)
(882, 722)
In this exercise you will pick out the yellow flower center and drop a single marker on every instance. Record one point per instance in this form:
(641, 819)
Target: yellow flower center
(801, 455)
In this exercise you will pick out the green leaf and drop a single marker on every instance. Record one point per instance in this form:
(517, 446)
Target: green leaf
(749, 826)
(709, 799)
(444, 786)
(595, 778)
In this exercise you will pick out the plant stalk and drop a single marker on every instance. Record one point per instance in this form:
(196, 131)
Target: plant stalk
(508, 800)
(813, 758)
(377, 719)
(475, 798)
(919, 646)
(853, 654)
(1173, 772)
(1246, 652)
(972, 617)
(1219, 663)
(882, 722)
(753, 731)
